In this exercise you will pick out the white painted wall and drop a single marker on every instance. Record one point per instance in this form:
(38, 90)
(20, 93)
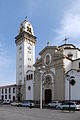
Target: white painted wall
(19, 63)
(75, 52)
(75, 90)
(29, 93)
(76, 64)
(67, 64)
(12, 94)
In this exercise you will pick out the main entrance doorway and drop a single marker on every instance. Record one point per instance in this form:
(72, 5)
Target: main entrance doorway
(48, 96)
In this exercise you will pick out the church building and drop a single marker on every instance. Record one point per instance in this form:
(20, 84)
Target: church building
(53, 67)
(60, 62)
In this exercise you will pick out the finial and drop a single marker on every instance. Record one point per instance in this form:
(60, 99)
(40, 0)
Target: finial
(48, 43)
(26, 17)
(65, 39)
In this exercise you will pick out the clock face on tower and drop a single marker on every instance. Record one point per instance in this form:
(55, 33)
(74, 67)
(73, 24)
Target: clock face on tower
(47, 59)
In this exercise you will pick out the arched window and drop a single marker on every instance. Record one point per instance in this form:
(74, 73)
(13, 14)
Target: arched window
(31, 76)
(27, 77)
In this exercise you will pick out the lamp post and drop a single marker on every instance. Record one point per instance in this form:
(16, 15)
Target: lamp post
(41, 75)
(71, 82)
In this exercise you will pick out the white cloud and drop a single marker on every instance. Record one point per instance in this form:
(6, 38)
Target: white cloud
(70, 23)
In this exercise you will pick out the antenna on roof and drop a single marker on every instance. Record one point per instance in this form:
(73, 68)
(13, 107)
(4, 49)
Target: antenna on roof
(65, 40)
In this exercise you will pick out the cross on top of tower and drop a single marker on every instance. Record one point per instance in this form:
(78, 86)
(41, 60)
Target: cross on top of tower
(26, 17)
(48, 43)
(65, 40)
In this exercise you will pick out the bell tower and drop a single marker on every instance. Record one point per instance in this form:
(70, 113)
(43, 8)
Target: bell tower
(25, 58)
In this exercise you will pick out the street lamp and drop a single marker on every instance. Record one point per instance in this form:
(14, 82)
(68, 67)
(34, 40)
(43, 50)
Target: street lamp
(71, 82)
(41, 75)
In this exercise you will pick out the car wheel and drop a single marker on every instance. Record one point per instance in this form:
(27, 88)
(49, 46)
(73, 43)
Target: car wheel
(58, 108)
(49, 106)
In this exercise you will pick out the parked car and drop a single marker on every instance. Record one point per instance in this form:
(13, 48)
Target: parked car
(67, 105)
(28, 104)
(18, 104)
(5, 102)
(77, 106)
(53, 104)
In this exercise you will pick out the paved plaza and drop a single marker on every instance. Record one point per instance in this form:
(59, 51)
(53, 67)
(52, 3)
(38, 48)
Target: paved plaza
(20, 113)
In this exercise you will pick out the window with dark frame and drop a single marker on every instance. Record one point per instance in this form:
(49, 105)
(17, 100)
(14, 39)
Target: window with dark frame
(2, 91)
(70, 55)
(31, 76)
(9, 90)
(6, 90)
(5, 96)
(27, 77)
(13, 90)
(9, 96)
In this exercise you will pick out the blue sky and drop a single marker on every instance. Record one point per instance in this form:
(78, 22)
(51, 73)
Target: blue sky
(52, 20)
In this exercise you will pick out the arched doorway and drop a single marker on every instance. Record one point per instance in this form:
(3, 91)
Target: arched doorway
(48, 96)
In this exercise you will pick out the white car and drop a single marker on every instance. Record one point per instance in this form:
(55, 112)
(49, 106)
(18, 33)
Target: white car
(16, 104)
(68, 105)
(28, 104)
(53, 104)
(5, 102)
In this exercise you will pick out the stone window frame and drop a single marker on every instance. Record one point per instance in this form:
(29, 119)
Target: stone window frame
(48, 54)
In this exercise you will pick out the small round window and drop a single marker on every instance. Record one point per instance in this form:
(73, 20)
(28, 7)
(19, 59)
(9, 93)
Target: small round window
(29, 87)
